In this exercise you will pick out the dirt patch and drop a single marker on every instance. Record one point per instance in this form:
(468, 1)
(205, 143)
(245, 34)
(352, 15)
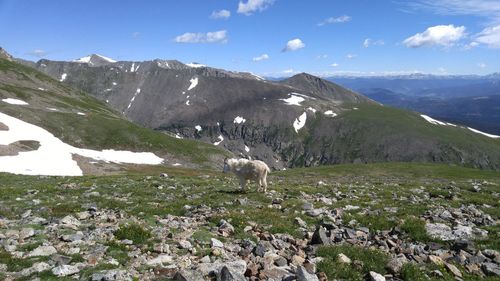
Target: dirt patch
(3, 127)
(18, 146)
(91, 166)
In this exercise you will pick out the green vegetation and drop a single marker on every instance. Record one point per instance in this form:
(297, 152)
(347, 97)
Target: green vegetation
(363, 261)
(118, 251)
(14, 264)
(415, 228)
(133, 232)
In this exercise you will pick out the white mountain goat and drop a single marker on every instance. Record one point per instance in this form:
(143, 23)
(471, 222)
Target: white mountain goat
(246, 170)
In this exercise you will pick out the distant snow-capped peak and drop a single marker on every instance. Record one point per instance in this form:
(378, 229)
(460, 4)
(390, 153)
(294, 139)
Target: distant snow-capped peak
(90, 59)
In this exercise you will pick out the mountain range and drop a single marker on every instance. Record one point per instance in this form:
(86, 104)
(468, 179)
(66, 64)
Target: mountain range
(300, 121)
(468, 100)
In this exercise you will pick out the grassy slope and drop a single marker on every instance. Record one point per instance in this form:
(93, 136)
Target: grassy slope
(377, 133)
(101, 128)
(370, 186)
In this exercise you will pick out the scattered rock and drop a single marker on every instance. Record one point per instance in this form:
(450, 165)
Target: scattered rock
(42, 251)
(304, 275)
(111, 275)
(491, 269)
(65, 270)
(453, 269)
(320, 236)
(229, 274)
(396, 264)
(344, 259)
(188, 275)
(160, 260)
(374, 276)
(216, 243)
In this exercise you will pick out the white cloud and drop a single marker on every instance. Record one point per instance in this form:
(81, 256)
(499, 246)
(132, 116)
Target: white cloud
(136, 34)
(289, 71)
(222, 14)
(370, 42)
(334, 64)
(261, 57)
(209, 37)
(443, 35)
(294, 45)
(442, 70)
(38, 53)
(340, 19)
(483, 8)
(319, 57)
(481, 65)
(351, 56)
(490, 37)
(252, 6)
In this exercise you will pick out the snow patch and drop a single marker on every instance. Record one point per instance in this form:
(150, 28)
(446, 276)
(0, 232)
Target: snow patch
(247, 149)
(106, 58)
(436, 122)
(138, 91)
(52, 109)
(187, 102)
(195, 65)
(198, 128)
(194, 83)
(294, 99)
(239, 120)
(177, 164)
(257, 76)
(114, 84)
(42, 89)
(177, 136)
(483, 133)
(330, 113)
(163, 64)
(221, 138)
(54, 157)
(313, 110)
(63, 77)
(81, 113)
(300, 122)
(14, 101)
(88, 58)
(83, 60)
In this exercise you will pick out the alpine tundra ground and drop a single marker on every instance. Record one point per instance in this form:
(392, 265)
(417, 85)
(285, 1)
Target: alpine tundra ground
(345, 222)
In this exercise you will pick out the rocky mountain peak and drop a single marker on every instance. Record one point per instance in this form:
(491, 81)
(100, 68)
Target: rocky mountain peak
(95, 60)
(4, 54)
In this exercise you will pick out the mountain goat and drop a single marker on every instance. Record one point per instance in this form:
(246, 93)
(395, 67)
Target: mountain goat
(248, 170)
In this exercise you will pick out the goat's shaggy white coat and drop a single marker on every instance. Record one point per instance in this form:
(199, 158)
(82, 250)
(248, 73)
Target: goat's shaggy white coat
(245, 170)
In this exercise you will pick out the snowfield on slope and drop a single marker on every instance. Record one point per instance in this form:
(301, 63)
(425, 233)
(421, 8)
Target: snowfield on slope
(194, 83)
(437, 122)
(294, 99)
(300, 122)
(54, 157)
(14, 101)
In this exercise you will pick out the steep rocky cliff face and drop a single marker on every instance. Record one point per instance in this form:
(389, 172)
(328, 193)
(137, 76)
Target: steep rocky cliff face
(300, 121)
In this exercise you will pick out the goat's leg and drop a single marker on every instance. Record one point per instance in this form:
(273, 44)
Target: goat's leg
(243, 182)
(264, 182)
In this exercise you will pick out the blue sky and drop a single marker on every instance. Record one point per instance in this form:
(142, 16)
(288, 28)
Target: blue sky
(324, 37)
